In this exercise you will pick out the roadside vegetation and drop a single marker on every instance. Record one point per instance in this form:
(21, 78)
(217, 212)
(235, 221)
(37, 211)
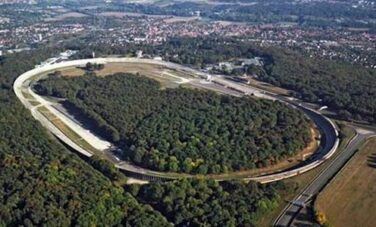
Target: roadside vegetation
(184, 130)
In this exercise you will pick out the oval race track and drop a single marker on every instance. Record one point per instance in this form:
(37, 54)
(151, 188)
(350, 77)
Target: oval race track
(328, 142)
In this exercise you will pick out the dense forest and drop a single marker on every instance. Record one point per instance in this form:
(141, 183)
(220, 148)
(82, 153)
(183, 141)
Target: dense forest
(204, 203)
(348, 89)
(184, 130)
(41, 183)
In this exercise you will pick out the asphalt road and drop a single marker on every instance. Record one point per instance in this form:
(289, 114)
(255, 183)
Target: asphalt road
(288, 215)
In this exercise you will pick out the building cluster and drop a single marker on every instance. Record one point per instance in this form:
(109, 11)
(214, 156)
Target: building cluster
(238, 64)
(3, 2)
(153, 30)
(356, 46)
(13, 39)
(353, 46)
(4, 20)
(63, 56)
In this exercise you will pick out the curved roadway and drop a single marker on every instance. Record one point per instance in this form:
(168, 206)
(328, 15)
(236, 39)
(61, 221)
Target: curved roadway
(329, 135)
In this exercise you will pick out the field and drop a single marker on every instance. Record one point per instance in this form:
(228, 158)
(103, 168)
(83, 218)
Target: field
(128, 14)
(167, 18)
(350, 199)
(64, 16)
(269, 87)
(167, 77)
(180, 19)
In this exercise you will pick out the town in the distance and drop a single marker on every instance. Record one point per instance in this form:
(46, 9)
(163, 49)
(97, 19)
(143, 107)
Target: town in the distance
(188, 113)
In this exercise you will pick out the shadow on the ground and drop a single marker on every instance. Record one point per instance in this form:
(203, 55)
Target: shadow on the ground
(305, 218)
(372, 160)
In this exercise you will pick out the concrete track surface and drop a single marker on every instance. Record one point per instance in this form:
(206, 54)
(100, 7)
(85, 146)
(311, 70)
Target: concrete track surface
(329, 135)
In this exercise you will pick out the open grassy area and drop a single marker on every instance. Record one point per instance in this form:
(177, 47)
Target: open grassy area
(34, 103)
(66, 15)
(299, 182)
(167, 18)
(27, 95)
(159, 73)
(268, 87)
(350, 199)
